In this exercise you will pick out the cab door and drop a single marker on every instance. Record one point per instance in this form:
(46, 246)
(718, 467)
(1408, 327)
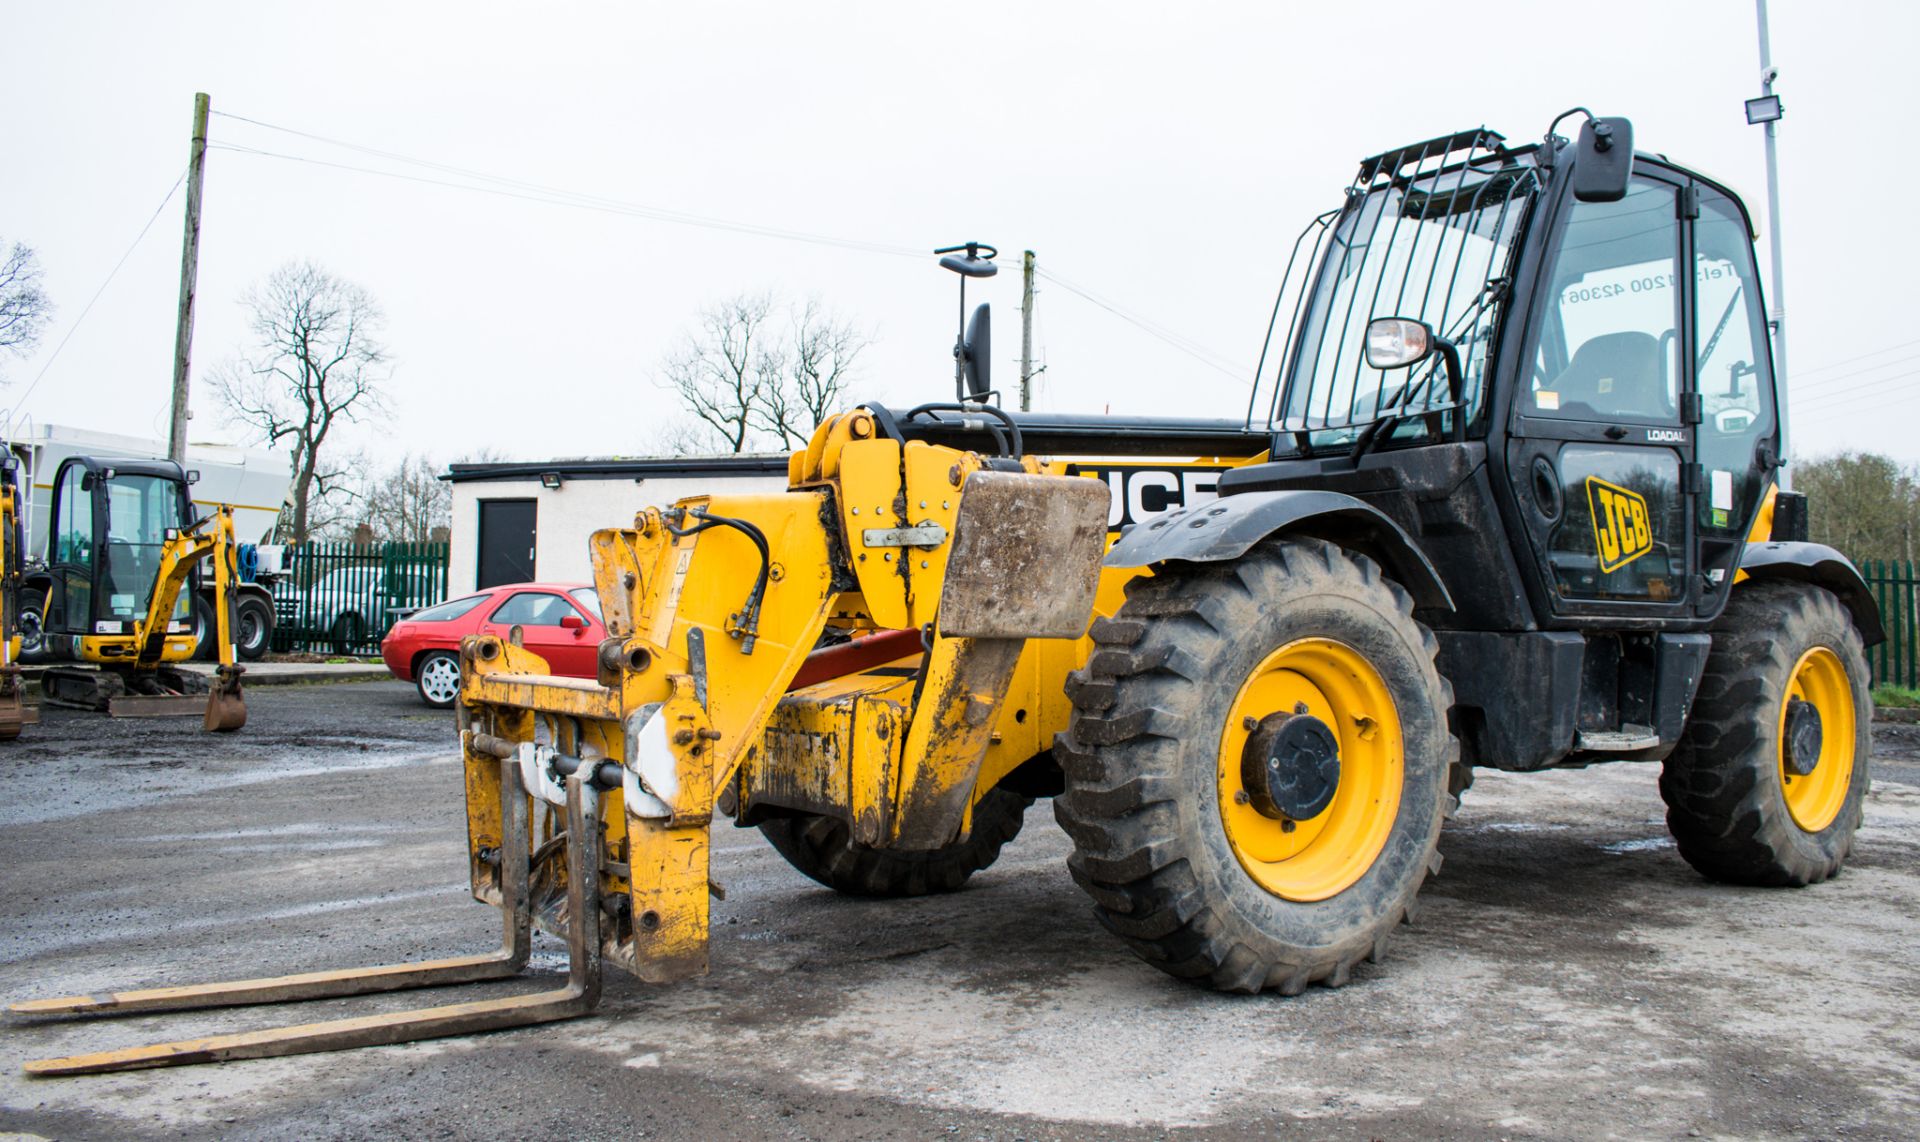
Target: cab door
(72, 542)
(1599, 452)
(1737, 442)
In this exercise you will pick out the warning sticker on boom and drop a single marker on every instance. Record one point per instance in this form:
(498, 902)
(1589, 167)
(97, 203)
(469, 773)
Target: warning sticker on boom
(1621, 526)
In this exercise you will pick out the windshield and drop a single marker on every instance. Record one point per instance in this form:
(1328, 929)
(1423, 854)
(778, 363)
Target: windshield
(140, 509)
(1427, 233)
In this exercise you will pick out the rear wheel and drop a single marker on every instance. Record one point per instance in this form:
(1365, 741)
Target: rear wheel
(823, 848)
(1767, 783)
(1258, 766)
(256, 628)
(437, 677)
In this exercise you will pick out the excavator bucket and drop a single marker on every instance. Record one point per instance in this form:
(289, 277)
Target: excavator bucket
(226, 704)
(580, 801)
(14, 712)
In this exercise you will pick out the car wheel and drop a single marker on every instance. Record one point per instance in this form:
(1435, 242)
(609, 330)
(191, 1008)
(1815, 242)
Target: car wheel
(256, 628)
(349, 631)
(438, 678)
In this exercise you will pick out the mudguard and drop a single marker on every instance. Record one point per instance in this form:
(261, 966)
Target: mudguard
(1821, 565)
(1226, 528)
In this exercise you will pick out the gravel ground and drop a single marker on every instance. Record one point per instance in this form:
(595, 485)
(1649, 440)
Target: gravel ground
(1570, 975)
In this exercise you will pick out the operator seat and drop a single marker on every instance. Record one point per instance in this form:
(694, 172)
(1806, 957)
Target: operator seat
(1612, 376)
(126, 569)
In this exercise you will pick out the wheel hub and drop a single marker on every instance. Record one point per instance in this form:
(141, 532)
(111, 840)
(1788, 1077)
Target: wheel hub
(1803, 738)
(1291, 766)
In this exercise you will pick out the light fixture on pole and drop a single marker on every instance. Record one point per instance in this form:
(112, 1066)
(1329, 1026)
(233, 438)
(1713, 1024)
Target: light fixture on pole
(1764, 109)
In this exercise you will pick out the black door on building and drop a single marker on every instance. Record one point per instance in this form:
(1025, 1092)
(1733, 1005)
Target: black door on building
(506, 542)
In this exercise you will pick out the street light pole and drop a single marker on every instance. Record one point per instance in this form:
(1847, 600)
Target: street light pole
(1768, 112)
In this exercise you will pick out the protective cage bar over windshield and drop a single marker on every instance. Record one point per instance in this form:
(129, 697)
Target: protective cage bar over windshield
(1427, 233)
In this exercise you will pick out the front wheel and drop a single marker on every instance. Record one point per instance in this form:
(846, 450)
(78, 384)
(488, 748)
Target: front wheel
(1767, 783)
(348, 632)
(438, 679)
(1257, 766)
(33, 632)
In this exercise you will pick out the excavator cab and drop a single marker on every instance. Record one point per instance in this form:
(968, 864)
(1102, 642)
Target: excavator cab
(122, 551)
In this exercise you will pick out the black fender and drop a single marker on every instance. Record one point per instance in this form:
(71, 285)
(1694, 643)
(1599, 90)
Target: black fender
(1226, 528)
(1821, 565)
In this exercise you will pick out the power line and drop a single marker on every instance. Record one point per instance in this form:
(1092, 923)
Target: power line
(111, 274)
(1193, 349)
(1851, 360)
(550, 195)
(1840, 401)
(506, 187)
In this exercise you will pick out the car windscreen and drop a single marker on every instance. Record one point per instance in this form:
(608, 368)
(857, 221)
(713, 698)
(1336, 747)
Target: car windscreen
(447, 611)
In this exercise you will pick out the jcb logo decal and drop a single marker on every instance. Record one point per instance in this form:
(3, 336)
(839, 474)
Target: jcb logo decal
(1620, 524)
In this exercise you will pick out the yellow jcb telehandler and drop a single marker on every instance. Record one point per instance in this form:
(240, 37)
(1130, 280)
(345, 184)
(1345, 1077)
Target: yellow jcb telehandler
(1506, 499)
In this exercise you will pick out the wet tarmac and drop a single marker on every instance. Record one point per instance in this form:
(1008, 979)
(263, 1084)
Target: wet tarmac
(1570, 976)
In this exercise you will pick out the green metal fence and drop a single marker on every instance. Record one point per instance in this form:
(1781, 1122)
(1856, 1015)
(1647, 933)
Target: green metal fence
(341, 598)
(1896, 588)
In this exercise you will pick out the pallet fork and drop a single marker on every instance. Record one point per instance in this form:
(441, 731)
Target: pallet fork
(581, 992)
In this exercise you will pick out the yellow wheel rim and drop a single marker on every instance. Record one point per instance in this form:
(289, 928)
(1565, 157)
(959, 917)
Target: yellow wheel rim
(1321, 856)
(1814, 799)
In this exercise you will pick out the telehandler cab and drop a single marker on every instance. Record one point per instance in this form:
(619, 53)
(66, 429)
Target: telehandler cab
(122, 548)
(1506, 499)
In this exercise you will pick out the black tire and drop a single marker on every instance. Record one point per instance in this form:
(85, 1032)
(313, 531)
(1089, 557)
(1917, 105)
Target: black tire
(824, 849)
(204, 630)
(33, 631)
(348, 632)
(1141, 755)
(1723, 784)
(255, 635)
(430, 678)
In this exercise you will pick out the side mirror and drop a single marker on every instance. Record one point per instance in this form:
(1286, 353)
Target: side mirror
(1396, 342)
(572, 622)
(976, 352)
(1604, 162)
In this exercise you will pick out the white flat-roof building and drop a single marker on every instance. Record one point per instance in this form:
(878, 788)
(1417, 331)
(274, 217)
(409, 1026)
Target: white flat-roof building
(518, 522)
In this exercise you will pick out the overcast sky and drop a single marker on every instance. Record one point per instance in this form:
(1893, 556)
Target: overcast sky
(1160, 156)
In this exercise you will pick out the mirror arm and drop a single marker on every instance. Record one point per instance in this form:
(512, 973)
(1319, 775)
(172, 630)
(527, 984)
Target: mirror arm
(1456, 385)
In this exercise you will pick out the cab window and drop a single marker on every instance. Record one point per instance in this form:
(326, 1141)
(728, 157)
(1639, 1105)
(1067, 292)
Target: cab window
(1732, 365)
(1608, 340)
(73, 530)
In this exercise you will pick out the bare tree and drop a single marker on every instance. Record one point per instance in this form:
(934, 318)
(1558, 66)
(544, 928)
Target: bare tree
(408, 501)
(722, 368)
(24, 305)
(753, 372)
(813, 369)
(317, 361)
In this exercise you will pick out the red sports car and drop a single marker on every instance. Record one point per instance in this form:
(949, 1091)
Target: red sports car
(560, 622)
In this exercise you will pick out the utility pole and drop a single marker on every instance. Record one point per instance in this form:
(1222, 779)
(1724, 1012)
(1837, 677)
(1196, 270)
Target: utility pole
(189, 281)
(1767, 110)
(1026, 331)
